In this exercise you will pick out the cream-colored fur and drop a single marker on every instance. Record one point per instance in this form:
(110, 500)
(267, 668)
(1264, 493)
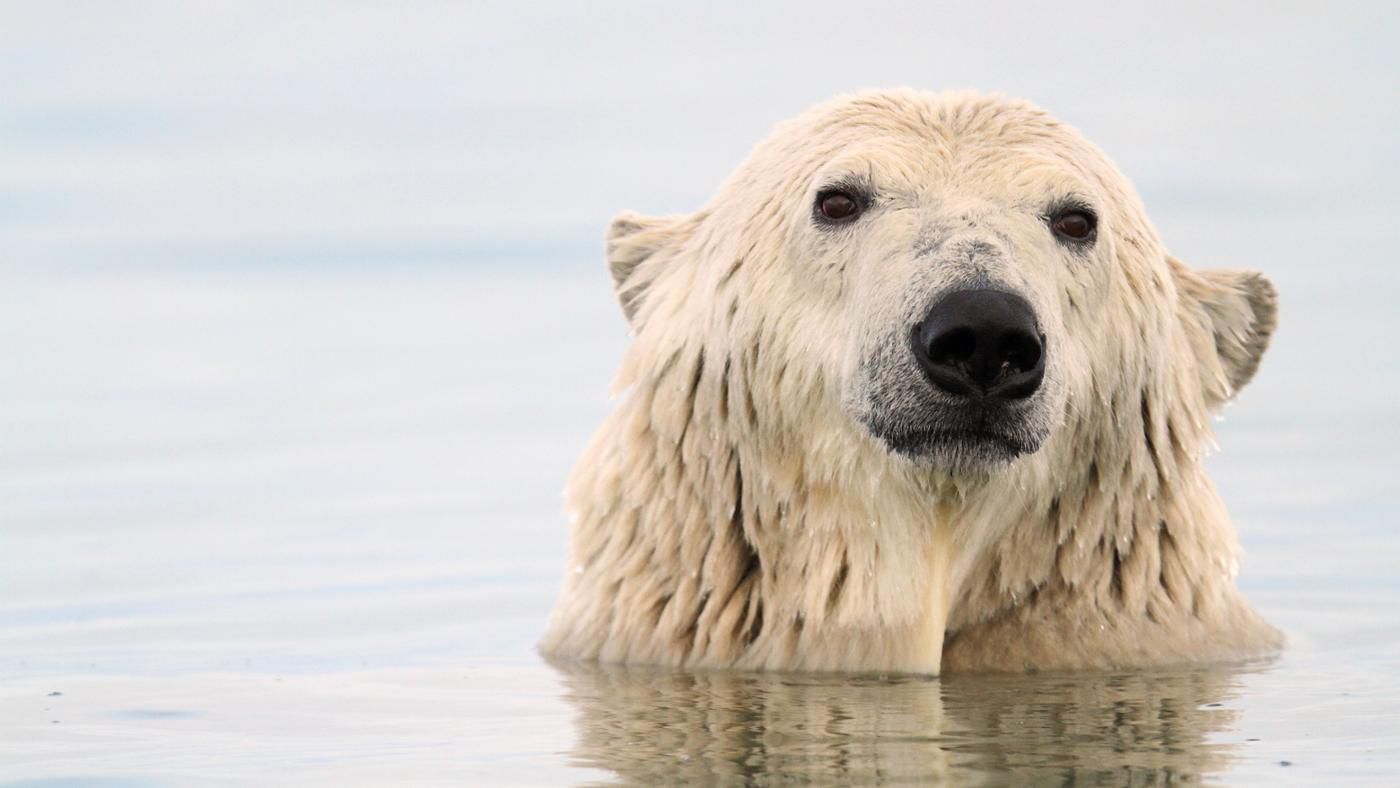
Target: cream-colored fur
(733, 512)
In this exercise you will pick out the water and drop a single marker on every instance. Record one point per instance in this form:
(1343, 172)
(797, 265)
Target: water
(314, 532)
(304, 323)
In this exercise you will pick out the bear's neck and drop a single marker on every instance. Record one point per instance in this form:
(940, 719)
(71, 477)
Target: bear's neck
(707, 536)
(1122, 553)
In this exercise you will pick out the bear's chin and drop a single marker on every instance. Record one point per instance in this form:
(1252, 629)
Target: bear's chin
(958, 451)
(960, 448)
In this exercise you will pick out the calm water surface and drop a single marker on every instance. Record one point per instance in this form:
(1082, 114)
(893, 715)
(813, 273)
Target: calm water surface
(315, 532)
(303, 322)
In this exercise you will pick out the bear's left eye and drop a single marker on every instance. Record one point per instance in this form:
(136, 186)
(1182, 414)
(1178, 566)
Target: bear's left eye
(838, 206)
(1074, 224)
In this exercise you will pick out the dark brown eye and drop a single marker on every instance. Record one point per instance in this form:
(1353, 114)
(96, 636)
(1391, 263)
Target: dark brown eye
(838, 206)
(1075, 225)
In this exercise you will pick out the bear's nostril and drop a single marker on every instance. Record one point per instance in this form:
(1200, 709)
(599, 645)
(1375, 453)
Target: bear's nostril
(1019, 352)
(953, 348)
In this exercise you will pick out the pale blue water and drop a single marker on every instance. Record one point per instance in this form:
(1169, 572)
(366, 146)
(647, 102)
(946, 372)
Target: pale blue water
(303, 323)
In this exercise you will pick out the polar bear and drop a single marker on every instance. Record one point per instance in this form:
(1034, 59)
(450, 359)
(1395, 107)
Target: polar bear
(919, 390)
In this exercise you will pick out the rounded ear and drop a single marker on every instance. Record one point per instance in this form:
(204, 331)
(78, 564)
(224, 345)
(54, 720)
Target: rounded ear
(637, 250)
(1234, 314)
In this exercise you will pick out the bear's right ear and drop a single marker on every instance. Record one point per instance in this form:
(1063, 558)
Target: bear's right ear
(636, 246)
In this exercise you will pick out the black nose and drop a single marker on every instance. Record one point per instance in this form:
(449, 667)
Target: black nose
(982, 343)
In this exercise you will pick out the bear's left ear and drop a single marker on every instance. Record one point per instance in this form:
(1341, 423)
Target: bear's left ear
(636, 251)
(1236, 313)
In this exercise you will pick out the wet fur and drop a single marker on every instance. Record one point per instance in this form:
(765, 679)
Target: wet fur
(735, 511)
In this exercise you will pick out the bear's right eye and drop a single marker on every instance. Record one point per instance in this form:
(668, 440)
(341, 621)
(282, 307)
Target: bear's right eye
(838, 206)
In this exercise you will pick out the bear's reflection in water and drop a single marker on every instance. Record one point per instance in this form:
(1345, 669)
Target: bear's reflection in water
(655, 726)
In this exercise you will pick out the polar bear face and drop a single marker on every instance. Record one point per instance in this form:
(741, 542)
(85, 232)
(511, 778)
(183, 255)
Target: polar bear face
(952, 276)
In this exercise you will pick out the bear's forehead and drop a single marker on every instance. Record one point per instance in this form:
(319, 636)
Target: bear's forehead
(961, 116)
(955, 113)
(913, 136)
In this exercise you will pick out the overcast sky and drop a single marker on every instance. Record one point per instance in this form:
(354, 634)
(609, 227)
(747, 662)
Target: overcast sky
(271, 133)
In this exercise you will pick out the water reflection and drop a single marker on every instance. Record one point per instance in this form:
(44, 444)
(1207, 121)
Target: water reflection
(653, 726)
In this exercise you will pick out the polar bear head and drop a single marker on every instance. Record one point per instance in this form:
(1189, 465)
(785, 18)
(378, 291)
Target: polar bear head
(952, 282)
